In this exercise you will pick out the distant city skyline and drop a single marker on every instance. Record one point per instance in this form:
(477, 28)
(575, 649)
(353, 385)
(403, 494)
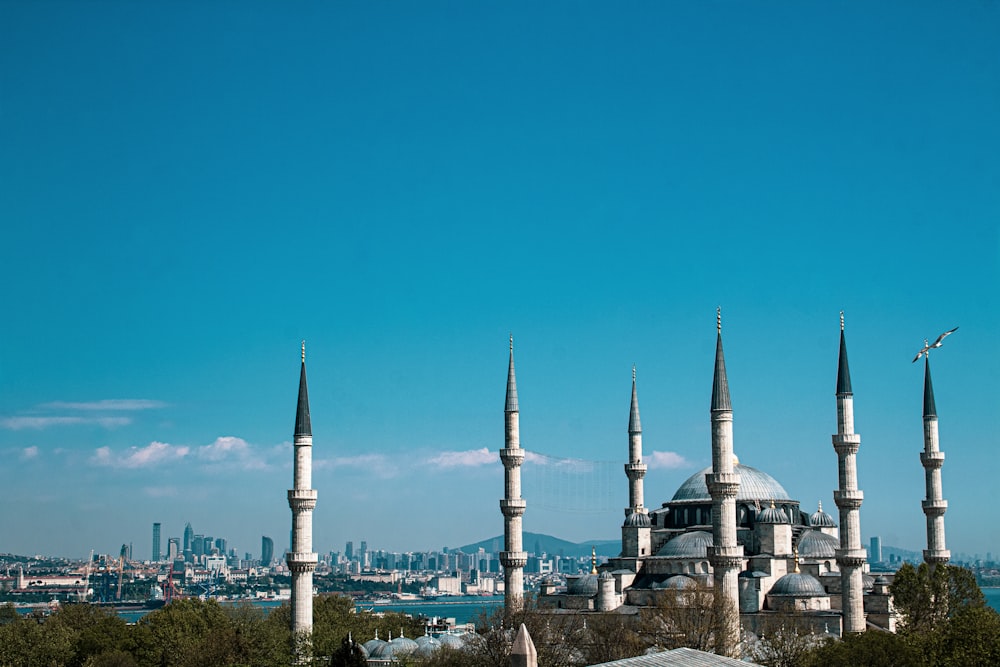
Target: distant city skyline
(189, 192)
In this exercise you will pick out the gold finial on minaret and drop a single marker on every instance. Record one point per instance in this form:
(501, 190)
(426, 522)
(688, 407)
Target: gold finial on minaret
(841, 320)
(795, 552)
(303, 352)
(593, 559)
(718, 319)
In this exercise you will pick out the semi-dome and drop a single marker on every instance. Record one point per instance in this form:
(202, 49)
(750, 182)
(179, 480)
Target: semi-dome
(678, 582)
(687, 545)
(821, 519)
(754, 485)
(798, 584)
(584, 585)
(772, 514)
(814, 544)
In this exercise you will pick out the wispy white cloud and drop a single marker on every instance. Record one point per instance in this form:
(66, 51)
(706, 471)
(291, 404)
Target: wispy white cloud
(232, 450)
(464, 459)
(39, 423)
(107, 405)
(578, 466)
(29, 453)
(666, 461)
(154, 453)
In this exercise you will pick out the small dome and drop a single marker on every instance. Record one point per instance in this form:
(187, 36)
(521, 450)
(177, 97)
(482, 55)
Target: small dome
(382, 652)
(821, 519)
(453, 641)
(372, 644)
(675, 583)
(403, 646)
(638, 519)
(687, 545)
(799, 585)
(814, 544)
(606, 575)
(772, 515)
(583, 585)
(754, 485)
(426, 645)
(881, 580)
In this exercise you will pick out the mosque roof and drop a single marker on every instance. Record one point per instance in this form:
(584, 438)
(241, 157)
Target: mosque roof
(814, 544)
(798, 584)
(451, 640)
(675, 583)
(584, 585)
(821, 519)
(754, 485)
(403, 646)
(687, 545)
(772, 514)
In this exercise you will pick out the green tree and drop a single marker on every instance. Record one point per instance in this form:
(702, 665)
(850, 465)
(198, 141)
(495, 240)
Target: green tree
(871, 649)
(926, 597)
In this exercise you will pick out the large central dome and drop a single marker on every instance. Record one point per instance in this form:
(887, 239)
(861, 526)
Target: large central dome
(754, 485)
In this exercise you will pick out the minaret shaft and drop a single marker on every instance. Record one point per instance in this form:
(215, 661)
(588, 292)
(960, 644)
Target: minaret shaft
(302, 500)
(726, 556)
(636, 529)
(512, 506)
(932, 459)
(850, 555)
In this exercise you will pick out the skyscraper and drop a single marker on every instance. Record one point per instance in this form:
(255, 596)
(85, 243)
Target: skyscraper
(876, 550)
(266, 550)
(156, 543)
(188, 539)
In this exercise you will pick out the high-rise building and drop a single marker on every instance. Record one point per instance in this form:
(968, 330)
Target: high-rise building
(349, 551)
(188, 538)
(198, 545)
(876, 550)
(266, 550)
(156, 543)
(173, 548)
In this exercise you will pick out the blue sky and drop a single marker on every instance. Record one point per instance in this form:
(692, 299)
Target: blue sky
(190, 189)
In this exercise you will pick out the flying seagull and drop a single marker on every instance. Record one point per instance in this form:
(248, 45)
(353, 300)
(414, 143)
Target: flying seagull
(929, 346)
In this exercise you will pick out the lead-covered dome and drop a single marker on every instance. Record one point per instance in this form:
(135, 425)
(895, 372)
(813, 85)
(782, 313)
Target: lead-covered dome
(687, 545)
(638, 519)
(821, 519)
(754, 485)
(798, 584)
(814, 544)
(583, 585)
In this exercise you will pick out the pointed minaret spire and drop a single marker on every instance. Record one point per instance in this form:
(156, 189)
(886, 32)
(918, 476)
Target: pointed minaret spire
(511, 404)
(634, 424)
(850, 555)
(843, 371)
(725, 554)
(930, 408)
(720, 385)
(303, 425)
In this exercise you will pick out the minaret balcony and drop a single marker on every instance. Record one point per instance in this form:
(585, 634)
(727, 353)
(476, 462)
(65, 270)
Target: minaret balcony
(513, 506)
(932, 460)
(934, 507)
(635, 470)
(937, 556)
(511, 456)
(514, 559)
(726, 556)
(851, 557)
(848, 499)
(846, 443)
(301, 561)
(301, 500)
(722, 484)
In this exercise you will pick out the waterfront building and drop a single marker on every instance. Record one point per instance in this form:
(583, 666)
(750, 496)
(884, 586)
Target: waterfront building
(266, 551)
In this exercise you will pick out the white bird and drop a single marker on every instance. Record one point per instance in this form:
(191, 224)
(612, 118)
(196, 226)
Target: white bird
(937, 343)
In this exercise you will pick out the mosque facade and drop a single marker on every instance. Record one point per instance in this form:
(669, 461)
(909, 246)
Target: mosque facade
(734, 530)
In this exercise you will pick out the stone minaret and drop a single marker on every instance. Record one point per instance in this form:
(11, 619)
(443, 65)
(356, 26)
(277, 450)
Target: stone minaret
(850, 555)
(635, 530)
(513, 558)
(932, 458)
(302, 499)
(726, 556)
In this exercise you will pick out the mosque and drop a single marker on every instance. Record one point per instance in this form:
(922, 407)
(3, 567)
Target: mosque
(731, 529)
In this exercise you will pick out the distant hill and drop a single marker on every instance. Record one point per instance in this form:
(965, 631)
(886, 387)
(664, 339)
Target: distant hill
(539, 543)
